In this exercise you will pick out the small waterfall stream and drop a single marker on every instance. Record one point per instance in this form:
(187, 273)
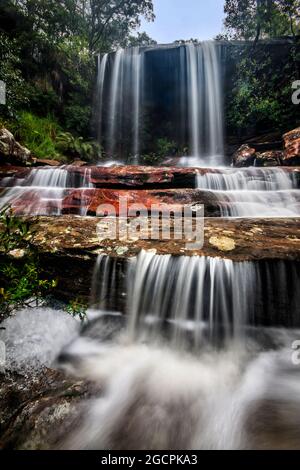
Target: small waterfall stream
(253, 192)
(43, 191)
(162, 394)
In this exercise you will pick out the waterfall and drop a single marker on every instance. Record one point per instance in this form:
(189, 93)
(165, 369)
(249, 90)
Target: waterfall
(253, 192)
(102, 65)
(115, 99)
(125, 101)
(159, 395)
(43, 191)
(194, 298)
(204, 100)
(199, 101)
(191, 293)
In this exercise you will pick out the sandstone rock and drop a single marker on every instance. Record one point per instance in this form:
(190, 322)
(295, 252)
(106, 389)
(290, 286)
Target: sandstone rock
(244, 156)
(37, 411)
(11, 151)
(292, 147)
(79, 163)
(45, 162)
(270, 158)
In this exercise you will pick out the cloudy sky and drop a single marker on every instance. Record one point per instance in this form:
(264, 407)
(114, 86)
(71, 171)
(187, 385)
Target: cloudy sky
(185, 19)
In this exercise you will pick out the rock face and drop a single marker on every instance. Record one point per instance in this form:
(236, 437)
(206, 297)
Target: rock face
(291, 154)
(11, 151)
(270, 158)
(244, 156)
(36, 411)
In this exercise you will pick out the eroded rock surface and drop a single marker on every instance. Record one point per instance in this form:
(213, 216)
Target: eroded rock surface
(12, 151)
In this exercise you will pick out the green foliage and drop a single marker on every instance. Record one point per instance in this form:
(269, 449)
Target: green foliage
(22, 281)
(260, 96)
(164, 148)
(14, 231)
(22, 285)
(76, 147)
(10, 74)
(77, 118)
(252, 19)
(77, 308)
(37, 133)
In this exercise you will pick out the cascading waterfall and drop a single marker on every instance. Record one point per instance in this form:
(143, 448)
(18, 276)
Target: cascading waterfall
(191, 293)
(200, 297)
(253, 192)
(200, 99)
(160, 397)
(43, 190)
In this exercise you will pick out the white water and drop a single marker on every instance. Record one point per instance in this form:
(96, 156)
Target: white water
(200, 100)
(156, 398)
(156, 394)
(102, 64)
(34, 337)
(253, 192)
(195, 294)
(125, 100)
(204, 101)
(43, 190)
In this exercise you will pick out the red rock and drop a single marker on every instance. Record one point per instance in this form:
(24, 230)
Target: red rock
(244, 156)
(292, 147)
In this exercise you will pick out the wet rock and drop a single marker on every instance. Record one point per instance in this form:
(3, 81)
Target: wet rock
(270, 158)
(244, 156)
(36, 411)
(291, 154)
(11, 151)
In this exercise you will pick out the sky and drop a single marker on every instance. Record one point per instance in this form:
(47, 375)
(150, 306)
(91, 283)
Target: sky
(185, 19)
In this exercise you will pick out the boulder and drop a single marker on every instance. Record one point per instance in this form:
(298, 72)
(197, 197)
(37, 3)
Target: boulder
(291, 154)
(244, 156)
(270, 158)
(12, 151)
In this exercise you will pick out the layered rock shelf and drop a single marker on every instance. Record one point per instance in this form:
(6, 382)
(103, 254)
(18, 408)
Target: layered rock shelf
(236, 239)
(139, 177)
(68, 246)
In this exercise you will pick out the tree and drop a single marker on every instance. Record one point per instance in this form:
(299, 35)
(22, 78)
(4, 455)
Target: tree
(253, 19)
(113, 20)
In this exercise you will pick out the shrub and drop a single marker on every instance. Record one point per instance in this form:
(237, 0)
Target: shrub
(37, 133)
(22, 281)
(76, 147)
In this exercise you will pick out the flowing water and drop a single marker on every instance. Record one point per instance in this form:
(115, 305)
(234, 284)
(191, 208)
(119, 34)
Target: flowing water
(43, 191)
(253, 192)
(204, 101)
(123, 75)
(205, 356)
(160, 393)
